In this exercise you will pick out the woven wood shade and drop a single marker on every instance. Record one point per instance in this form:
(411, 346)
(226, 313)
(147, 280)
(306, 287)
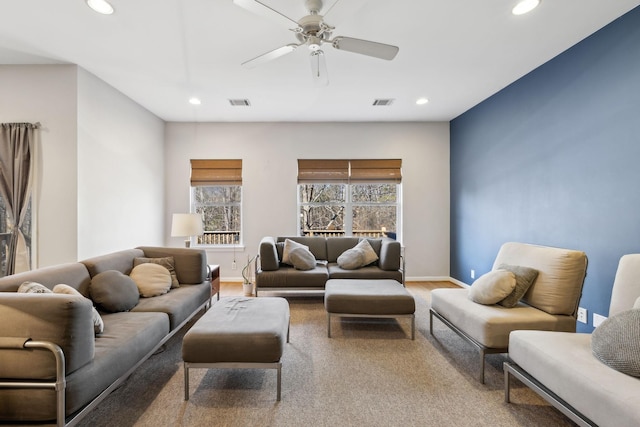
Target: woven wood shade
(216, 172)
(350, 171)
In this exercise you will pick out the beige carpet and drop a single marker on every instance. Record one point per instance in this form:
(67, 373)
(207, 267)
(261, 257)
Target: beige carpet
(369, 374)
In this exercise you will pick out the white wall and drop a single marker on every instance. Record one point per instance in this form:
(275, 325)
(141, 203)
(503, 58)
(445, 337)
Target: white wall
(100, 169)
(270, 151)
(120, 171)
(47, 94)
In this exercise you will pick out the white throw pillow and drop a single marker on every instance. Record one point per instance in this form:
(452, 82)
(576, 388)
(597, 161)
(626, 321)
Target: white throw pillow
(289, 245)
(98, 324)
(369, 253)
(637, 303)
(492, 287)
(351, 259)
(302, 259)
(151, 279)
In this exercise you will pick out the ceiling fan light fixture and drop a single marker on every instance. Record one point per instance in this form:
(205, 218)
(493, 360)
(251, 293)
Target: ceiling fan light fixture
(101, 6)
(525, 6)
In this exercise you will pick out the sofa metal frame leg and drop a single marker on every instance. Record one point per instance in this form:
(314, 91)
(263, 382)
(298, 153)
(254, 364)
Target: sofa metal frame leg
(329, 325)
(186, 381)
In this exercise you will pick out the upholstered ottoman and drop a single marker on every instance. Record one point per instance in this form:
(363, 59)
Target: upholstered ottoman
(368, 298)
(238, 333)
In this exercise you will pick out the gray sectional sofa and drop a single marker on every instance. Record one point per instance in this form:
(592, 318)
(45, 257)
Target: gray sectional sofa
(48, 340)
(272, 274)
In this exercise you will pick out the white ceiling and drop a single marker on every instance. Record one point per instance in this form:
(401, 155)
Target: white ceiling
(161, 52)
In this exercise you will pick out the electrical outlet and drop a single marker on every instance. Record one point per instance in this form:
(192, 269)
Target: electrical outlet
(598, 319)
(473, 274)
(233, 265)
(582, 315)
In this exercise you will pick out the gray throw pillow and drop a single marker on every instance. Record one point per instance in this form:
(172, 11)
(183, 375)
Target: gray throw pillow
(114, 291)
(492, 287)
(525, 277)
(302, 259)
(616, 342)
(352, 259)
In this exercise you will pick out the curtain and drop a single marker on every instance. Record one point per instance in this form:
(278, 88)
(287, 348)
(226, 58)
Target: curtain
(16, 148)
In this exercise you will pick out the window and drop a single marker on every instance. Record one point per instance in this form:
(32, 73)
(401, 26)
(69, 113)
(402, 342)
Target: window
(5, 235)
(349, 197)
(216, 194)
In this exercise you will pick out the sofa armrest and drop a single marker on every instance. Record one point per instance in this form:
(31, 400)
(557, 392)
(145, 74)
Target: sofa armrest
(190, 263)
(63, 320)
(268, 254)
(390, 255)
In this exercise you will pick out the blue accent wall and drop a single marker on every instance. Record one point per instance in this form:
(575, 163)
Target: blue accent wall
(554, 159)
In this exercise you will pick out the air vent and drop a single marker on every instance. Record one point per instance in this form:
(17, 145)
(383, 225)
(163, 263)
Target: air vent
(239, 102)
(383, 102)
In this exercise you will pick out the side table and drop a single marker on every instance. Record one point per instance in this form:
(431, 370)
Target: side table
(214, 279)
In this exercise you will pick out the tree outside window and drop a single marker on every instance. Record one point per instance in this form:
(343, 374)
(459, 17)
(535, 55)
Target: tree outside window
(221, 209)
(5, 235)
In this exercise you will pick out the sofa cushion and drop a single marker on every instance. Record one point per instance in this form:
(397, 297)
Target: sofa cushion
(302, 259)
(98, 324)
(490, 325)
(561, 275)
(492, 287)
(563, 362)
(616, 342)
(151, 279)
(113, 291)
(525, 277)
(337, 245)
(352, 259)
(289, 245)
(167, 262)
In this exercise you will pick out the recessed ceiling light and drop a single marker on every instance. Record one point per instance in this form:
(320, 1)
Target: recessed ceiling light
(525, 6)
(195, 101)
(100, 6)
(421, 101)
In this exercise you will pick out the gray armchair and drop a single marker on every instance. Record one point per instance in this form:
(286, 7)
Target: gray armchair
(550, 303)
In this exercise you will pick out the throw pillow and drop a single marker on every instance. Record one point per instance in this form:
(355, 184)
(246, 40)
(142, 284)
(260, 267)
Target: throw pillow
(351, 259)
(525, 277)
(114, 291)
(151, 279)
(616, 342)
(637, 303)
(98, 324)
(492, 287)
(302, 259)
(369, 253)
(33, 288)
(167, 262)
(289, 245)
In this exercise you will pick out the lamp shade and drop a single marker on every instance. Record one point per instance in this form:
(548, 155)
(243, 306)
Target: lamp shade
(186, 224)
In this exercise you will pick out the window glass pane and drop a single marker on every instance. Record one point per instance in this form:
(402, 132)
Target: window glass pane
(321, 193)
(371, 219)
(217, 194)
(320, 218)
(373, 193)
(221, 212)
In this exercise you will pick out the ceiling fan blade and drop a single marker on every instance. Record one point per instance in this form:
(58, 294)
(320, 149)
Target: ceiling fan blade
(319, 68)
(365, 47)
(259, 8)
(266, 57)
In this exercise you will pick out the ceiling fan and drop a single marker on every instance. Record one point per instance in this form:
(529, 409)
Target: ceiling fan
(311, 30)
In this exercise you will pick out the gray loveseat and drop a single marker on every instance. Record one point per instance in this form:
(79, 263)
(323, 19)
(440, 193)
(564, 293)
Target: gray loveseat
(274, 275)
(35, 327)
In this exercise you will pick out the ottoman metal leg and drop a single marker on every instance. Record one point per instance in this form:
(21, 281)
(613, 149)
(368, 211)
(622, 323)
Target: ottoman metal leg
(186, 381)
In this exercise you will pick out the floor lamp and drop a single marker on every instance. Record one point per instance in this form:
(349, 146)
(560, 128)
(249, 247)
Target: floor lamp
(186, 225)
